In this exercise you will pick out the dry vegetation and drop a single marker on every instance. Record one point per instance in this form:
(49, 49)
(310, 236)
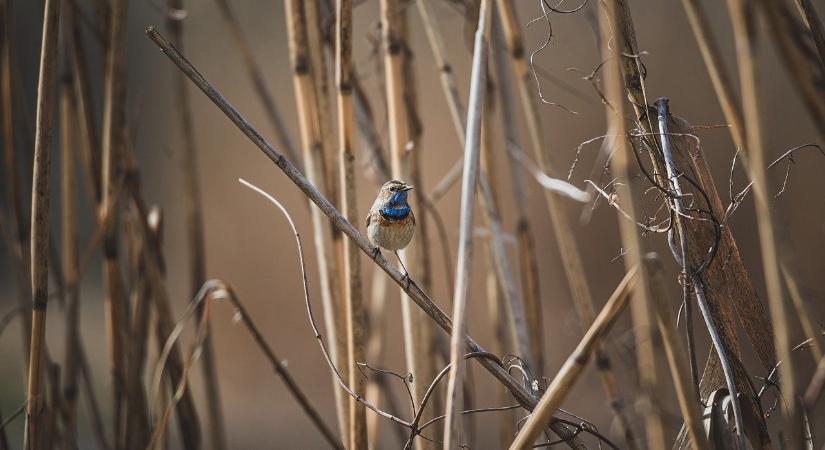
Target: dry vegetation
(747, 388)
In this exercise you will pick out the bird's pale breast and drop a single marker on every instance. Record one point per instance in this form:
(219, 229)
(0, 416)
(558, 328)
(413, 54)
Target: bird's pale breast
(390, 234)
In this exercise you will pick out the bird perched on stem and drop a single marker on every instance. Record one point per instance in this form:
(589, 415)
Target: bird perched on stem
(390, 221)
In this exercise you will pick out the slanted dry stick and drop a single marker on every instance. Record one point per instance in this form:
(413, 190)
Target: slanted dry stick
(745, 40)
(472, 147)
(353, 300)
(311, 192)
(274, 116)
(193, 208)
(33, 437)
(676, 357)
(308, 118)
(569, 373)
(612, 51)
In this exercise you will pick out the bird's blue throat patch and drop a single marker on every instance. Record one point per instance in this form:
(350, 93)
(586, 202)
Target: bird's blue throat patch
(397, 207)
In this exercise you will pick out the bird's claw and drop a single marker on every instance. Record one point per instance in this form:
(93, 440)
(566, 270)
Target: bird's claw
(376, 252)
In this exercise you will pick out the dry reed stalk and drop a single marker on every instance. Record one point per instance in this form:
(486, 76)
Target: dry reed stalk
(193, 208)
(273, 114)
(514, 306)
(314, 162)
(612, 50)
(475, 114)
(676, 357)
(90, 148)
(113, 118)
(569, 373)
(353, 295)
(44, 127)
(811, 20)
(375, 349)
(528, 265)
(14, 189)
(313, 194)
(403, 137)
(68, 143)
(801, 60)
(420, 253)
(152, 259)
(746, 52)
(137, 423)
(733, 116)
(568, 248)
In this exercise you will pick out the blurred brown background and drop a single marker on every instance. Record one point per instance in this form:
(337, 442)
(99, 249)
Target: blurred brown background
(249, 244)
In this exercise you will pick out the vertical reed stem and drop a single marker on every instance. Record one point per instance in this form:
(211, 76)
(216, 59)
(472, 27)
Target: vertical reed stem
(313, 156)
(353, 299)
(745, 39)
(612, 51)
(475, 114)
(35, 428)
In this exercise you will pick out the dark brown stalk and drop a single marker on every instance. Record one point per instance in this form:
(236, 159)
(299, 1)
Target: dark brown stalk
(314, 161)
(422, 299)
(273, 114)
(353, 295)
(44, 128)
(193, 207)
(14, 190)
(68, 143)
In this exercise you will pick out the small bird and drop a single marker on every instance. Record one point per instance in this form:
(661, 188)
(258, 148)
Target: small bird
(390, 221)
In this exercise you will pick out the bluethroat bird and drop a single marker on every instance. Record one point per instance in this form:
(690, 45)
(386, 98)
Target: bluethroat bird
(390, 221)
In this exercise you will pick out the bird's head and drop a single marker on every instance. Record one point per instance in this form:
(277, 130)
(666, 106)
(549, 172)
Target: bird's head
(395, 192)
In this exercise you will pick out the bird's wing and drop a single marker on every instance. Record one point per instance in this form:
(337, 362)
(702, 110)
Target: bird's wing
(367, 220)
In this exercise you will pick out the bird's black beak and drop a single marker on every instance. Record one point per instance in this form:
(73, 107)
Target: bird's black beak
(407, 188)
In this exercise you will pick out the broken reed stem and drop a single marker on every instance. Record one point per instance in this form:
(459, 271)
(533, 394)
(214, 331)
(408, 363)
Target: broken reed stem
(14, 187)
(193, 207)
(475, 116)
(745, 39)
(569, 373)
(677, 359)
(273, 114)
(353, 294)
(68, 209)
(612, 50)
(312, 149)
(313, 194)
(33, 438)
